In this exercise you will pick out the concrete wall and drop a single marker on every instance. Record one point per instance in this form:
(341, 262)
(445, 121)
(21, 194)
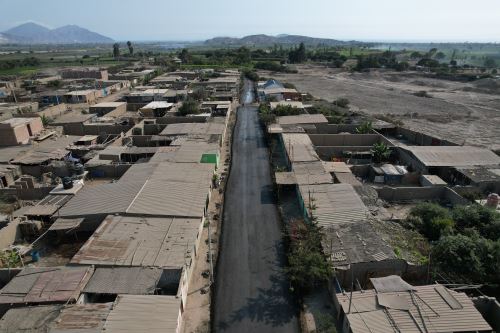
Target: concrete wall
(422, 139)
(395, 194)
(37, 193)
(489, 309)
(366, 140)
(109, 171)
(107, 128)
(9, 234)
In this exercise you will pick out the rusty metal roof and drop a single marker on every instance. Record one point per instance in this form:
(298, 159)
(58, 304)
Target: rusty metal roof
(81, 318)
(42, 285)
(140, 241)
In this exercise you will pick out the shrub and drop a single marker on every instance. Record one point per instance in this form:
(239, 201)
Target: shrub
(436, 220)
(189, 107)
(342, 102)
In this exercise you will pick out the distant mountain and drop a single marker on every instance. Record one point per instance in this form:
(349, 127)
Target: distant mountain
(266, 40)
(32, 33)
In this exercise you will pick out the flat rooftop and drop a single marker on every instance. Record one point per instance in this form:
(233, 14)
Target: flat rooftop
(194, 128)
(155, 188)
(140, 242)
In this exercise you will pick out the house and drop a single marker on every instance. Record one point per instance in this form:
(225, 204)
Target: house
(155, 109)
(33, 285)
(216, 108)
(111, 109)
(125, 314)
(81, 96)
(85, 73)
(357, 252)
(17, 131)
(396, 306)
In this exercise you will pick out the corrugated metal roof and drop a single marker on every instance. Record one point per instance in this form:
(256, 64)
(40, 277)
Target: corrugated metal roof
(194, 128)
(152, 314)
(81, 318)
(33, 319)
(435, 315)
(40, 285)
(334, 203)
(299, 147)
(66, 224)
(302, 118)
(140, 241)
(102, 199)
(188, 152)
(311, 173)
(355, 242)
(167, 189)
(124, 280)
(453, 155)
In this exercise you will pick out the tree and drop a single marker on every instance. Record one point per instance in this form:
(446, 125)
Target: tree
(189, 107)
(130, 48)
(490, 63)
(116, 50)
(415, 55)
(307, 265)
(298, 55)
(185, 56)
(440, 55)
(380, 152)
(470, 256)
(431, 220)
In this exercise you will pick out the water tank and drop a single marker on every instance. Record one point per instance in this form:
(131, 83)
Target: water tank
(67, 183)
(493, 200)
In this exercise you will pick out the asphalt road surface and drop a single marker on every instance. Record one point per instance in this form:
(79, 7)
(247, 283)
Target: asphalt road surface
(252, 292)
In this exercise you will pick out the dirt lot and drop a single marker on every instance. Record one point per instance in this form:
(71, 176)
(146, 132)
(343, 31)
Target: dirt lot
(461, 112)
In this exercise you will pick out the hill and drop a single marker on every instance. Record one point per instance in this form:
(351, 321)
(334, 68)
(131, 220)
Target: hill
(32, 33)
(266, 40)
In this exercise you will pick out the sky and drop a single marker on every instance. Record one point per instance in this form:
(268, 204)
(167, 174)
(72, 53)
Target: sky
(365, 20)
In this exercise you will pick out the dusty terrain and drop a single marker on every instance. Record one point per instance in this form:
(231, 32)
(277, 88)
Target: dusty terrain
(466, 113)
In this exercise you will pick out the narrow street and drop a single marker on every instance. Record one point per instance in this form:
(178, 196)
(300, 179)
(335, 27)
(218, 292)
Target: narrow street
(251, 292)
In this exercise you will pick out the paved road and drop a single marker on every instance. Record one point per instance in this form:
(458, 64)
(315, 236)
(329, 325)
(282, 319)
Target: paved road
(251, 289)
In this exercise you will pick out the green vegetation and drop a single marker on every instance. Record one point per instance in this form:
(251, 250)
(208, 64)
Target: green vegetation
(307, 265)
(189, 106)
(381, 152)
(334, 113)
(365, 128)
(9, 259)
(466, 240)
(265, 114)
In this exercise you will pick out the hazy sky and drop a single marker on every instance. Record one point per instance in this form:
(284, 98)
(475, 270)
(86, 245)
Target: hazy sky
(423, 20)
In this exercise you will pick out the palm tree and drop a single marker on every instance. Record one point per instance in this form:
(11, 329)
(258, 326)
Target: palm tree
(130, 47)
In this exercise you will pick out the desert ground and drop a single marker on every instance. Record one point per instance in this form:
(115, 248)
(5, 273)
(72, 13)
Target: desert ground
(465, 113)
